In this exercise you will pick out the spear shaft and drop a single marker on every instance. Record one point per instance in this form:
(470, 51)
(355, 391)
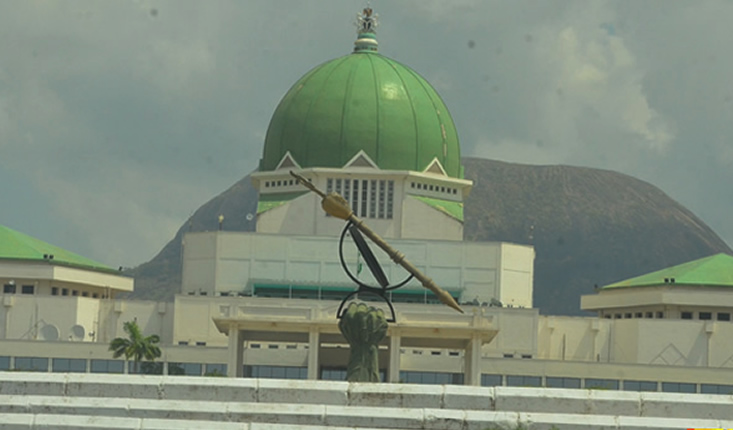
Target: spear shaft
(336, 206)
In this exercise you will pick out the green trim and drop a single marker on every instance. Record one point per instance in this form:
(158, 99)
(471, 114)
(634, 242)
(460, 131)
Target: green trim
(716, 270)
(271, 201)
(450, 208)
(15, 245)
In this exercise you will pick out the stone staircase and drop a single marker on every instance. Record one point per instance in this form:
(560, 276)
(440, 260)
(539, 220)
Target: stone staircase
(112, 402)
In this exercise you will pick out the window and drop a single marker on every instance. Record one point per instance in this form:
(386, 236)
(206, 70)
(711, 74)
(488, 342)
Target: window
(4, 363)
(716, 389)
(637, 315)
(75, 293)
(382, 191)
(364, 195)
(523, 381)
(188, 369)
(107, 366)
(678, 387)
(723, 316)
(617, 316)
(64, 291)
(627, 315)
(277, 372)
(660, 314)
(54, 291)
(200, 343)
(216, 369)
(27, 289)
(182, 342)
(333, 374)
(705, 315)
(84, 294)
(554, 382)
(640, 386)
(439, 378)
(390, 199)
(601, 384)
(31, 364)
(488, 380)
(95, 295)
(508, 355)
(78, 365)
(649, 315)
(686, 315)
(9, 289)
(372, 198)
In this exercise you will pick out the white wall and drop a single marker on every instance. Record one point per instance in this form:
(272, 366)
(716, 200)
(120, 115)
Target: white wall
(215, 262)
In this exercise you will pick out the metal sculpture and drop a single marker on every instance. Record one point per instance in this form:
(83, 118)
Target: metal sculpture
(364, 327)
(336, 206)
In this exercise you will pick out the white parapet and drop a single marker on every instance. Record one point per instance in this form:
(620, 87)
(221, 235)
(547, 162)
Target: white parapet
(98, 401)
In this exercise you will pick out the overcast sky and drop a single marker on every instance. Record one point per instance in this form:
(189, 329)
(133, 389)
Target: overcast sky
(119, 118)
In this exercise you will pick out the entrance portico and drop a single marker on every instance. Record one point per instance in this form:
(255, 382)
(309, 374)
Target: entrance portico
(316, 325)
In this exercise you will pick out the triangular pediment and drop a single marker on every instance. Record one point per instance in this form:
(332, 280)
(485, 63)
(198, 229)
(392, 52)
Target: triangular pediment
(287, 162)
(435, 168)
(361, 159)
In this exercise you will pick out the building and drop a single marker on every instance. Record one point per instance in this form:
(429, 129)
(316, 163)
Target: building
(265, 304)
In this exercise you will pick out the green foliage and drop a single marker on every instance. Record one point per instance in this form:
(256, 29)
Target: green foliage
(136, 346)
(215, 373)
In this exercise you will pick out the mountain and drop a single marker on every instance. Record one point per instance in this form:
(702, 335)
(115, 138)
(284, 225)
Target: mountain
(588, 226)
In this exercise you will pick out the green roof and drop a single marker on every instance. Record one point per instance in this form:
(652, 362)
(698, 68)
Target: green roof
(18, 246)
(363, 101)
(716, 270)
(271, 201)
(450, 208)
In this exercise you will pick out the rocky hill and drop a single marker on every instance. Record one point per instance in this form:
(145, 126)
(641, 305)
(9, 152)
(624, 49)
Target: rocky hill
(588, 226)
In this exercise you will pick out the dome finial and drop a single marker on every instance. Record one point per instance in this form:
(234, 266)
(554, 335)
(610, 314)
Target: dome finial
(366, 23)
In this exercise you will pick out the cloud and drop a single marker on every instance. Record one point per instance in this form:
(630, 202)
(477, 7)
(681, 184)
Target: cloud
(117, 120)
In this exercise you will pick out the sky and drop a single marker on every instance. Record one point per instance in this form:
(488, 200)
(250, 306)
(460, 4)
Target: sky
(118, 119)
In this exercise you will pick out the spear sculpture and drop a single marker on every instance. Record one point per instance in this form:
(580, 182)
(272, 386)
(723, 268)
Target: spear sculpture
(336, 206)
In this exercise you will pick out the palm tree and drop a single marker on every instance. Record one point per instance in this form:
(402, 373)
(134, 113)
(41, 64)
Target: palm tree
(135, 346)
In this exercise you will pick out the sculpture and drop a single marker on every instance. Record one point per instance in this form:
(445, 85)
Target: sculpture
(365, 326)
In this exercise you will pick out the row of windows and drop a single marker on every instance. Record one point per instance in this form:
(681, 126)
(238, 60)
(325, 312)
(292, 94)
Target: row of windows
(435, 188)
(686, 315)
(367, 198)
(25, 289)
(31, 289)
(317, 293)
(282, 183)
(79, 365)
(627, 315)
(602, 384)
(413, 377)
(706, 316)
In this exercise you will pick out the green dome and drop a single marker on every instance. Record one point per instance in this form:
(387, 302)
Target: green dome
(363, 101)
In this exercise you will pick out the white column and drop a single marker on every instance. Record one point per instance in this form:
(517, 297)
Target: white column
(472, 357)
(395, 344)
(236, 352)
(314, 346)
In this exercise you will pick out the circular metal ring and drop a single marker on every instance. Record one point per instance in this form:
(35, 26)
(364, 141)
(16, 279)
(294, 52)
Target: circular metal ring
(354, 278)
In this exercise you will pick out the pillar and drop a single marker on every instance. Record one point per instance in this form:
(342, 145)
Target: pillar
(314, 346)
(236, 352)
(472, 357)
(395, 344)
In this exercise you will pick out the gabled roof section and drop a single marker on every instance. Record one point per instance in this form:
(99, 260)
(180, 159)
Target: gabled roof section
(435, 167)
(716, 270)
(448, 207)
(15, 245)
(361, 159)
(287, 162)
(271, 201)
